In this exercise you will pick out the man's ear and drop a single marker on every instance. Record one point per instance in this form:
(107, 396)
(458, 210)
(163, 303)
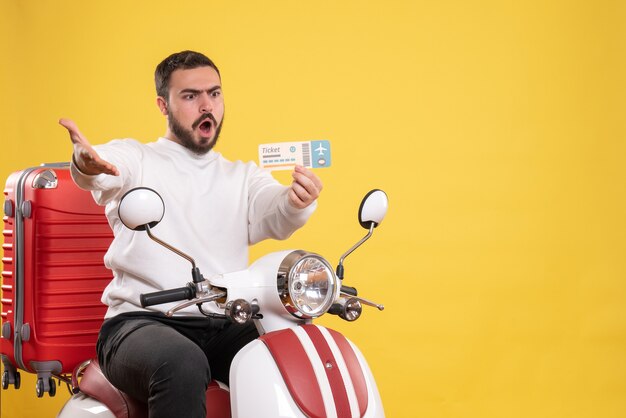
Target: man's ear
(162, 103)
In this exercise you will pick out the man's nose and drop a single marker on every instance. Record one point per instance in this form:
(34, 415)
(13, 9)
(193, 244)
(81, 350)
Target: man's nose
(206, 106)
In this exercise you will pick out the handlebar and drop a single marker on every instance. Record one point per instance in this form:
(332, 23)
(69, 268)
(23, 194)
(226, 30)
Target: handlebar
(170, 295)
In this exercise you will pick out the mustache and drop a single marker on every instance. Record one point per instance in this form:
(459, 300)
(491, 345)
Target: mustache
(202, 118)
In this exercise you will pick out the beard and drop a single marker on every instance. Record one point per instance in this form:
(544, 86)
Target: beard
(186, 136)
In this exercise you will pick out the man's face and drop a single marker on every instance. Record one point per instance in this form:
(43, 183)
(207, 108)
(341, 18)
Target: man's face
(195, 109)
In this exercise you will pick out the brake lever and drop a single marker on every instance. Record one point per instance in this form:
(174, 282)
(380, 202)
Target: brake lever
(211, 296)
(364, 301)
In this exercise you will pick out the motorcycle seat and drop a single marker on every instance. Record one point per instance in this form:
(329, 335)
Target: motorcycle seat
(96, 385)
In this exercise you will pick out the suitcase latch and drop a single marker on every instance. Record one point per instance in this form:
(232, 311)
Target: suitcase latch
(46, 179)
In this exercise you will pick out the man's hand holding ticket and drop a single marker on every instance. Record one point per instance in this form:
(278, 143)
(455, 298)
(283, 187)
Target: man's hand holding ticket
(300, 157)
(286, 155)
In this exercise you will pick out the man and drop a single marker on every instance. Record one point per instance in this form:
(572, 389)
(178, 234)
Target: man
(214, 209)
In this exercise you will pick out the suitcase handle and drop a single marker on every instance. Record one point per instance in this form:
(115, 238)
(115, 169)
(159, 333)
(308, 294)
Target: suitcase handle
(170, 295)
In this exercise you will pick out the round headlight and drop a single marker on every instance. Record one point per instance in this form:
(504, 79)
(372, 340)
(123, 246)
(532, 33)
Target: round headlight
(306, 284)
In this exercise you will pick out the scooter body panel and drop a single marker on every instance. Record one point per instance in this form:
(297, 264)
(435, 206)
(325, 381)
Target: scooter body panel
(83, 406)
(288, 373)
(375, 403)
(257, 388)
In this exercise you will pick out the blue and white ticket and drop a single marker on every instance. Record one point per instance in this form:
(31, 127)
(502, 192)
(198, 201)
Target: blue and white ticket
(285, 155)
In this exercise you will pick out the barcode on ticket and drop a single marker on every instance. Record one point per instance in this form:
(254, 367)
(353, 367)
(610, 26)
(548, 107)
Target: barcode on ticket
(285, 155)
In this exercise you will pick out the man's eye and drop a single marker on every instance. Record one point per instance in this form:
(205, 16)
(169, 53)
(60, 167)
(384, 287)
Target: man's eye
(189, 96)
(216, 93)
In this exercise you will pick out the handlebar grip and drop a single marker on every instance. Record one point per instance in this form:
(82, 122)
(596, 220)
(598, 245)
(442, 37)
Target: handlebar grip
(165, 296)
(349, 290)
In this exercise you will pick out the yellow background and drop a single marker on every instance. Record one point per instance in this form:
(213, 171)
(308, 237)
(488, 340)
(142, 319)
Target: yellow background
(497, 129)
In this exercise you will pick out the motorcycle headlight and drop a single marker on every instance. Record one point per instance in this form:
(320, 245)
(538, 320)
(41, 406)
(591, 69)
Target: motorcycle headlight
(307, 284)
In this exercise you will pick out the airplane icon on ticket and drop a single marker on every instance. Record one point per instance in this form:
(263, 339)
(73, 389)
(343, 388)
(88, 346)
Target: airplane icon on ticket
(320, 149)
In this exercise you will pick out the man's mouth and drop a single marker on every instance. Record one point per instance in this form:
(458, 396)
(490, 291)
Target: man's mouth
(205, 127)
(205, 124)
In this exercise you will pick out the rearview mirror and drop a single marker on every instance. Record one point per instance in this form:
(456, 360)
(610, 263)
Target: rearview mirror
(371, 213)
(139, 207)
(373, 208)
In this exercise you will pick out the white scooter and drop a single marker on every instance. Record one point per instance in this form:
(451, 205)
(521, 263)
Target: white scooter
(294, 369)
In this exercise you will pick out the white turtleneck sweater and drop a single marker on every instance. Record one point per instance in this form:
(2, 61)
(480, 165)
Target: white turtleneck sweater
(214, 209)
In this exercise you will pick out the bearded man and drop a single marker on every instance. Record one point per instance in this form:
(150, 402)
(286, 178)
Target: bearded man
(215, 209)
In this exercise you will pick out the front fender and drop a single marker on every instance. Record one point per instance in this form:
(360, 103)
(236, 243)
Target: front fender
(304, 371)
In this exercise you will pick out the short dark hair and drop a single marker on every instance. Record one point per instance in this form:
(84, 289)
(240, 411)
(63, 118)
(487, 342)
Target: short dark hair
(184, 60)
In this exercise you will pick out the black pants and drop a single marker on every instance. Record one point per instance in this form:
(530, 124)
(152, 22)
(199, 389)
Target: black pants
(168, 362)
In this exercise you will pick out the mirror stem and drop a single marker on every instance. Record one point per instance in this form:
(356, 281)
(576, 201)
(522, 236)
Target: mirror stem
(354, 247)
(169, 247)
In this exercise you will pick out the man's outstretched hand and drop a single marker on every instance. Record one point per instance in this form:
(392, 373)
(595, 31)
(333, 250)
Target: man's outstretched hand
(85, 157)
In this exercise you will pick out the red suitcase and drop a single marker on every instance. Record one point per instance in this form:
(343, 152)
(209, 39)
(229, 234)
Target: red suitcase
(53, 275)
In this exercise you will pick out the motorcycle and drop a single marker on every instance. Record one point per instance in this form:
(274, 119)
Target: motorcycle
(295, 368)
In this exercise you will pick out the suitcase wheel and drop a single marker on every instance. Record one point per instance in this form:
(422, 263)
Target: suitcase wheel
(11, 378)
(53, 388)
(42, 387)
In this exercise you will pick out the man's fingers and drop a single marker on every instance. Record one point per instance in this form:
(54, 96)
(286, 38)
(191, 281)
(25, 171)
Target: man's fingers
(295, 201)
(90, 163)
(86, 158)
(67, 123)
(306, 187)
(75, 135)
(304, 173)
(308, 182)
(93, 165)
(300, 192)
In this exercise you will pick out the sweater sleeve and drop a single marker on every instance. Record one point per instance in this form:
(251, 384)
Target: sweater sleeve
(126, 156)
(270, 215)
